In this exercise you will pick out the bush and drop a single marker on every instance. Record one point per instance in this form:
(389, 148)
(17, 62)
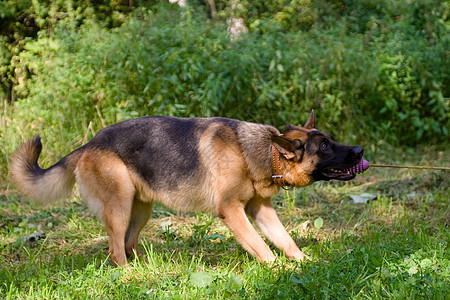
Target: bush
(385, 80)
(190, 68)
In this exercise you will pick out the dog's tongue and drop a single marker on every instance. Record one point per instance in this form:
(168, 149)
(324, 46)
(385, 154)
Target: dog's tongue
(362, 166)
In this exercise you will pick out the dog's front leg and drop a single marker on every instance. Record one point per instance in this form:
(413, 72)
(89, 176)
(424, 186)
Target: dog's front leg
(265, 216)
(236, 220)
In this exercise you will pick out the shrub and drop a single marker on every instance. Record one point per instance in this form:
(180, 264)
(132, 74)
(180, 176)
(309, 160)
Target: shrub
(382, 82)
(386, 82)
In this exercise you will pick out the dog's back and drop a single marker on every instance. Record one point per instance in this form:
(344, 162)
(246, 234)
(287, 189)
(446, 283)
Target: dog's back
(179, 161)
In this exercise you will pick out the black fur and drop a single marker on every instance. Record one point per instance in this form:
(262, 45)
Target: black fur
(337, 156)
(162, 150)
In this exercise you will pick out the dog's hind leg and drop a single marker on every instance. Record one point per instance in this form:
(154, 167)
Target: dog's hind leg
(265, 216)
(105, 181)
(140, 213)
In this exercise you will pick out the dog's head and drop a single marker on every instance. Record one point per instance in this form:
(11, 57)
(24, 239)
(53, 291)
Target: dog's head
(310, 155)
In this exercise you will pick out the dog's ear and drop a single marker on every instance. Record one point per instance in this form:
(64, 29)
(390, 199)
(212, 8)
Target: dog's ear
(289, 149)
(311, 123)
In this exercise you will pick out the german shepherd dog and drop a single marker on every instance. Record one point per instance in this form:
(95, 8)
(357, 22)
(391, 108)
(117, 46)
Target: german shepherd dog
(228, 167)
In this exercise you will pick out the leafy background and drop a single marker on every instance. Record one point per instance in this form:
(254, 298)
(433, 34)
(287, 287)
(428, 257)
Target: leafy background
(377, 72)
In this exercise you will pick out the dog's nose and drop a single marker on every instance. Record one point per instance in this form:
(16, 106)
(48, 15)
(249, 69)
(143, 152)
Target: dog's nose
(358, 151)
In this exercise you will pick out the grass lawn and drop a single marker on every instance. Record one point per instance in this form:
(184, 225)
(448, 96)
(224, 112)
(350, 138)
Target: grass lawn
(394, 246)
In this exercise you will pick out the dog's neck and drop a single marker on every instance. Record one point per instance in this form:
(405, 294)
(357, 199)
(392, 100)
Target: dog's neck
(277, 175)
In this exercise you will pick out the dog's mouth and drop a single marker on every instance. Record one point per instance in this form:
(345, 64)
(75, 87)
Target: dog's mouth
(346, 173)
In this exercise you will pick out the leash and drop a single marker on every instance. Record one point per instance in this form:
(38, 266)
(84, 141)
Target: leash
(410, 167)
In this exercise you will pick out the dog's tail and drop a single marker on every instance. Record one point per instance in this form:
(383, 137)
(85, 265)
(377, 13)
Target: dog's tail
(43, 185)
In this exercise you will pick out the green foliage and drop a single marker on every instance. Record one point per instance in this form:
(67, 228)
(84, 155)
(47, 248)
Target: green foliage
(376, 72)
(22, 20)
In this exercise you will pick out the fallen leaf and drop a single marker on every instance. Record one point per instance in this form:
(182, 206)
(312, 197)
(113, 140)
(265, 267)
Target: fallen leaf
(201, 279)
(318, 223)
(363, 198)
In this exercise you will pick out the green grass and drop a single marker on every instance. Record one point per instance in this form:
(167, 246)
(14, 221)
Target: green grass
(394, 247)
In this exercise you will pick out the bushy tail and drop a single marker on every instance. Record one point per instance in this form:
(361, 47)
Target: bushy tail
(42, 185)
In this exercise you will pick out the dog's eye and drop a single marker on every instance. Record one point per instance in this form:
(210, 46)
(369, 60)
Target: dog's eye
(324, 145)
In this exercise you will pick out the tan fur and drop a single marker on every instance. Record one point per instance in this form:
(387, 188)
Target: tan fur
(57, 184)
(299, 174)
(106, 182)
(233, 190)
